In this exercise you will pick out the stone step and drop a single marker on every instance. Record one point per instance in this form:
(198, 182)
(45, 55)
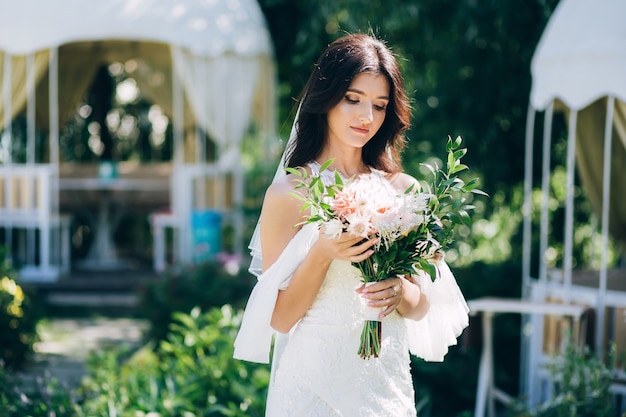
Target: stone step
(86, 299)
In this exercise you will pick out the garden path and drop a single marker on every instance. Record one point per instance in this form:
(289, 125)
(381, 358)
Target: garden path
(65, 344)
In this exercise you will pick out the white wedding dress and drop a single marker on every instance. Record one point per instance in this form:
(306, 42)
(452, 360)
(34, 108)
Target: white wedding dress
(319, 372)
(316, 369)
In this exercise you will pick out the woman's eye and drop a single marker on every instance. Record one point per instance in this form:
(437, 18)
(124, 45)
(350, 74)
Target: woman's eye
(351, 100)
(379, 107)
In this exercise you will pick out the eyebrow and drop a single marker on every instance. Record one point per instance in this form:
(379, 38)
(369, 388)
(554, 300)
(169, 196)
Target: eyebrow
(354, 90)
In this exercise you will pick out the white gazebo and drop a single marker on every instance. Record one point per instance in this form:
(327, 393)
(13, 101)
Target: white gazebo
(209, 66)
(579, 71)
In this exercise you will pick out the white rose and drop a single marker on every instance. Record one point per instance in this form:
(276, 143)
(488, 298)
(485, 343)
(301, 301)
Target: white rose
(333, 228)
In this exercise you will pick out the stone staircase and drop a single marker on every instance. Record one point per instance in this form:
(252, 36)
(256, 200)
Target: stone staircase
(98, 291)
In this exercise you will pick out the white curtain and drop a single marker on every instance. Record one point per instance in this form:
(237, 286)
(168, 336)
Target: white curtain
(220, 92)
(589, 158)
(18, 80)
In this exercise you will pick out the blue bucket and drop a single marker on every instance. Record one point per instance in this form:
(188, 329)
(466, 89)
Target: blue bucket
(206, 235)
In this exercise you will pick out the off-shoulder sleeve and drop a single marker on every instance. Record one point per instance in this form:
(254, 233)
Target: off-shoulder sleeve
(254, 339)
(448, 315)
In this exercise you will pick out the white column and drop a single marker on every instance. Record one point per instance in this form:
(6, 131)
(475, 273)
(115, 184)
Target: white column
(5, 143)
(569, 206)
(528, 203)
(545, 193)
(606, 197)
(30, 109)
(54, 106)
(178, 119)
(5, 147)
(527, 239)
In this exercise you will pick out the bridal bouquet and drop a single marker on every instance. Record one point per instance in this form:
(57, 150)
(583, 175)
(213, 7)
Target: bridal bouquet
(414, 227)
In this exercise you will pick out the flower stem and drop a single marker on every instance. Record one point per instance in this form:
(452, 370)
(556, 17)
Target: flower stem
(371, 336)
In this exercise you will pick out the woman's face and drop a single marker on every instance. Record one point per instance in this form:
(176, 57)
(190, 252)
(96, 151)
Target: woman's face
(361, 112)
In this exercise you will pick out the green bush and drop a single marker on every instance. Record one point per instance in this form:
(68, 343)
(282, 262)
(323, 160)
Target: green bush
(207, 285)
(581, 388)
(18, 320)
(190, 374)
(46, 398)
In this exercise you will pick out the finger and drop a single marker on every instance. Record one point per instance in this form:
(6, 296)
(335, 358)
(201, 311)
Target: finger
(366, 243)
(376, 287)
(361, 257)
(349, 238)
(387, 311)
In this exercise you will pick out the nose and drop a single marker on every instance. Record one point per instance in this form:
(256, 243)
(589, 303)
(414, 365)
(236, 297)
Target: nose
(366, 115)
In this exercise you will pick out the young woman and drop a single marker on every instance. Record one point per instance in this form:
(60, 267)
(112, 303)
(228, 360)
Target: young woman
(354, 111)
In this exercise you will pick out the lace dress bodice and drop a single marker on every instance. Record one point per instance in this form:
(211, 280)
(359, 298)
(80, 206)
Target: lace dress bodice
(319, 373)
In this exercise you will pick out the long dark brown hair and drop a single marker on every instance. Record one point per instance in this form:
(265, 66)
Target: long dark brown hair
(332, 74)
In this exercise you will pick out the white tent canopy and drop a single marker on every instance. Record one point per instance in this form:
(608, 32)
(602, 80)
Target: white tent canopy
(219, 50)
(581, 56)
(205, 27)
(208, 64)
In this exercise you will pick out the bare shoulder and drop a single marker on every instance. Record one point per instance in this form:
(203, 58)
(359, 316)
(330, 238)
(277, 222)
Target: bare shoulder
(280, 220)
(282, 190)
(402, 181)
(280, 201)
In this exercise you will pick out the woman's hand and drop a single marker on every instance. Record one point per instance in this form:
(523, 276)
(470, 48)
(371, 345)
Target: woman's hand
(347, 247)
(387, 294)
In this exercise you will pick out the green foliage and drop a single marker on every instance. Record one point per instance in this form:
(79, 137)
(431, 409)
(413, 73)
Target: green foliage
(190, 374)
(206, 285)
(581, 387)
(18, 319)
(437, 383)
(450, 203)
(46, 398)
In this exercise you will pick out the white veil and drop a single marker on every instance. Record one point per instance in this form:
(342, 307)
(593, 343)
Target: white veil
(256, 265)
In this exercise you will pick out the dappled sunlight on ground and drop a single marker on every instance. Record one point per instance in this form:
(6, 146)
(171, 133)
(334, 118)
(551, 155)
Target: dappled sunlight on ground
(65, 344)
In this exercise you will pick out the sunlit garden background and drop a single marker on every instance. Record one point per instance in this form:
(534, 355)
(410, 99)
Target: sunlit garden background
(467, 71)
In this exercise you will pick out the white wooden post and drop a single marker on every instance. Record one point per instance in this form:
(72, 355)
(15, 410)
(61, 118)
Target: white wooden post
(606, 197)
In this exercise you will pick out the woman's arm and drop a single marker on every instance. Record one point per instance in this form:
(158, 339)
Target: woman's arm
(279, 216)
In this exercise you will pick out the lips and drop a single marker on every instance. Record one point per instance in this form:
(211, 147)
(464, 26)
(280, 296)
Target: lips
(361, 130)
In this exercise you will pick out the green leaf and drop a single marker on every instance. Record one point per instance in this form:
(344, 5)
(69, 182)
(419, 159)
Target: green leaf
(465, 217)
(294, 171)
(326, 164)
(431, 168)
(454, 217)
(459, 168)
(459, 153)
(480, 192)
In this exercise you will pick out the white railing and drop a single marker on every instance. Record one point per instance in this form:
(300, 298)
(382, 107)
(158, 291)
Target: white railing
(35, 232)
(194, 187)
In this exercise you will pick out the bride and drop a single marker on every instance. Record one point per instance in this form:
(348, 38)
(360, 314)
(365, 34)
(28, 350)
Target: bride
(355, 111)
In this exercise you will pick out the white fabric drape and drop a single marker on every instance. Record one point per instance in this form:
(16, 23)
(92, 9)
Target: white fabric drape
(224, 48)
(589, 158)
(18, 81)
(220, 91)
